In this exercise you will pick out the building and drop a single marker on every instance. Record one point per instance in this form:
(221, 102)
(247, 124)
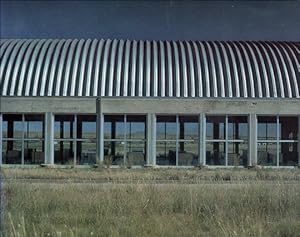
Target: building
(149, 102)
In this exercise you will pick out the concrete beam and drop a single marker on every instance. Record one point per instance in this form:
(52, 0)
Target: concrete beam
(196, 106)
(48, 104)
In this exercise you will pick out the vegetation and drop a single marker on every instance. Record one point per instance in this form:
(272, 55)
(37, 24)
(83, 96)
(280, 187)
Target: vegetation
(196, 203)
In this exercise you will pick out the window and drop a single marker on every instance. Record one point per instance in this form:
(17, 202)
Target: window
(277, 141)
(23, 139)
(75, 139)
(125, 139)
(177, 140)
(226, 140)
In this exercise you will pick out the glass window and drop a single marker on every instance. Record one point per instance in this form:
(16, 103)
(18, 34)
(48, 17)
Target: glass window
(86, 126)
(215, 127)
(237, 128)
(173, 150)
(64, 126)
(12, 152)
(267, 128)
(13, 126)
(215, 153)
(34, 126)
(288, 128)
(125, 137)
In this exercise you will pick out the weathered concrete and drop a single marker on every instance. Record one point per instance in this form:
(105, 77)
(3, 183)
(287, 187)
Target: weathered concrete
(49, 137)
(48, 104)
(196, 106)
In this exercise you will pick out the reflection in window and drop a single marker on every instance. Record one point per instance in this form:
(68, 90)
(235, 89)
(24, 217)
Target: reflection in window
(215, 127)
(286, 141)
(235, 142)
(173, 150)
(125, 139)
(75, 139)
(23, 139)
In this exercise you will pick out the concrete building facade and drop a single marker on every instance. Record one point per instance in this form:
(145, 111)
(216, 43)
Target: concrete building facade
(137, 103)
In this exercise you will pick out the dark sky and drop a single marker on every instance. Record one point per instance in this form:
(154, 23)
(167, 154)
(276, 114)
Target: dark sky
(190, 20)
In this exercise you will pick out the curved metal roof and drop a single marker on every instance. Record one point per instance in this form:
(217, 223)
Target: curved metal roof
(35, 67)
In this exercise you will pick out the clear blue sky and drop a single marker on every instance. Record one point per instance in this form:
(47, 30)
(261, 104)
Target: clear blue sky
(201, 20)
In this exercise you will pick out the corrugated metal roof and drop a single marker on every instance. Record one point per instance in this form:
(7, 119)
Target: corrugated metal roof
(34, 67)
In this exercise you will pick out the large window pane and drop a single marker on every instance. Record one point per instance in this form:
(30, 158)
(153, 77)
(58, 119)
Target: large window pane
(34, 126)
(63, 152)
(12, 152)
(215, 127)
(188, 153)
(13, 126)
(114, 152)
(166, 153)
(188, 127)
(136, 154)
(237, 128)
(33, 152)
(215, 153)
(114, 127)
(166, 128)
(237, 153)
(288, 153)
(288, 128)
(86, 153)
(136, 127)
(267, 153)
(266, 128)
(64, 126)
(86, 126)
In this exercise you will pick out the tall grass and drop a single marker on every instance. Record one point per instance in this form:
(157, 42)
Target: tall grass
(216, 209)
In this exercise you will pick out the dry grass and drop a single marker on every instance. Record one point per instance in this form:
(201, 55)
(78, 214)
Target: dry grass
(153, 175)
(214, 208)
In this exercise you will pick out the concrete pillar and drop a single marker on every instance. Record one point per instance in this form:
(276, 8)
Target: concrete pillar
(49, 138)
(151, 139)
(100, 133)
(1, 119)
(299, 141)
(252, 152)
(202, 137)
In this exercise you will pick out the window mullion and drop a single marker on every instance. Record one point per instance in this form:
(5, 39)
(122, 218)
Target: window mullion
(277, 140)
(177, 137)
(74, 139)
(23, 137)
(125, 140)
(226, 140)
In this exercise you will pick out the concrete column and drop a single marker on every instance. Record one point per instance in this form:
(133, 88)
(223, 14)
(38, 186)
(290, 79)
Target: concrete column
(299, 141)
(100, 133)
(49, 138)
(151, 139)
(1, 119)
(252, 151)
(202, 137)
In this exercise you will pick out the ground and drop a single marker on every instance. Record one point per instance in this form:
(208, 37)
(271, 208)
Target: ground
(151, 202)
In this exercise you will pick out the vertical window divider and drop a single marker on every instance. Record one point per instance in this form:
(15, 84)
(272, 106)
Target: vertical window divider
(74, 139)
(177, 137)
(23, 137)
(277, 140)
(125, 140)
(226, 140)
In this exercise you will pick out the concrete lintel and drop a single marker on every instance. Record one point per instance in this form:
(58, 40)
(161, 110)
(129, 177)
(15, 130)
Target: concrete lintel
(196, 106)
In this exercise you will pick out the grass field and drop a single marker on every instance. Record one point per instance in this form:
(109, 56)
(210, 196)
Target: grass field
(165, 202)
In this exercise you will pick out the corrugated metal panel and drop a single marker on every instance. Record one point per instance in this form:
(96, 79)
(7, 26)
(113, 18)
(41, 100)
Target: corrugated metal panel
(149, 68)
